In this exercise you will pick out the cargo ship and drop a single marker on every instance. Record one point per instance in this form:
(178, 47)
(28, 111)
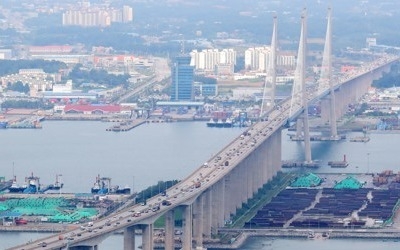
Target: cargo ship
(32, 185)
(102, 185)
(56, 186)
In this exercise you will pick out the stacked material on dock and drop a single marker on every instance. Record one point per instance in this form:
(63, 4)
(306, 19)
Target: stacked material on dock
(382, 205)
(282, 208)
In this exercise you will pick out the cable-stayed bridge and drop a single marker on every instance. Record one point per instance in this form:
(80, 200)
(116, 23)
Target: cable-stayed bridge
(211, 194)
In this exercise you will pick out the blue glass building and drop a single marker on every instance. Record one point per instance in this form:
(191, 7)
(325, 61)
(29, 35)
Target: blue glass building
(182, 79)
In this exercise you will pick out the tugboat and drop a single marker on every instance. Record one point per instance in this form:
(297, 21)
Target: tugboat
(15, 188)
(125, 190)
(57, 185)
(102, 185)
(211, 123)
(33, 184)
(96, 185)
(228, 123)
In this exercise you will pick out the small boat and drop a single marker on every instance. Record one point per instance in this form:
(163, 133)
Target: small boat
(57, 185)
(228, 123)
(211, 123)
(125, 190)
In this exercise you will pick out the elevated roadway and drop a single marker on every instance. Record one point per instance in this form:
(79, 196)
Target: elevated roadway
(228, 168)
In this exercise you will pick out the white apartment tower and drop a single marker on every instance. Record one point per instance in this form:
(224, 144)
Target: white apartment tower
(209, 59)
(97, 16)
(127, 14)
(258, 58)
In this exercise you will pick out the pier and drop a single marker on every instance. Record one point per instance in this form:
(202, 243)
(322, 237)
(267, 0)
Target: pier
(360, 139)
(297, 164)
(126, 125)
(339, 164)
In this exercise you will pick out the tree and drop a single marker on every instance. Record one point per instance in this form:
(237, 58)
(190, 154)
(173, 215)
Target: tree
(19, 87)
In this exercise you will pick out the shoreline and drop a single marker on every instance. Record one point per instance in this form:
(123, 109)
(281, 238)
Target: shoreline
(242, 235)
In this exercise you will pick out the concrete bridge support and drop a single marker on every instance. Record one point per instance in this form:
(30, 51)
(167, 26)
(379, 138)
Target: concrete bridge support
(198, 214)
(207, 215)
(147, 237)
(169, 230)
(217, 205)
(351, 92)
(275, 156)
(187, 224)
(129, 238)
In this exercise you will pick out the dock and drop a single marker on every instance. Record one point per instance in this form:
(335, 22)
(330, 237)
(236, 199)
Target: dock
(360, 139)
(126, 125)
(339, 164)
(27, 123)
(317, 138)
(296, 164)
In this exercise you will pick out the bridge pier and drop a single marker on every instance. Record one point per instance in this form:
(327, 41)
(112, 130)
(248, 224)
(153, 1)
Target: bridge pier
(187, 221)
(351, 91)
(217, 205)
(147, 237)
(207, 215)
(129, 238)
(169, 242)
(198, 213)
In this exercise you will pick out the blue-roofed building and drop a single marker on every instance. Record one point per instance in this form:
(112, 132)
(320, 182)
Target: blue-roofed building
(182, 79)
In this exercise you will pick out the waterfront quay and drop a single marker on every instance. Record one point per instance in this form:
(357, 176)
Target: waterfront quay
(239, 236)
(126, 125)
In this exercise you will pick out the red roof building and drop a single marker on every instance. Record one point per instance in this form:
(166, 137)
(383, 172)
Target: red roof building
(92, 109)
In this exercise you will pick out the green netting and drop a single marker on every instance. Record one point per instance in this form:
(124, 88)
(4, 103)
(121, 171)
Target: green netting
(3, 207)
(35, 203)
(49, 207)
(309, 180)
(75, 216)
(34, 206)
(37, 211)
(349, 183)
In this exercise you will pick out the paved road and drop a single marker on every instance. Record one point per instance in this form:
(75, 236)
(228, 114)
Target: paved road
(161, 72)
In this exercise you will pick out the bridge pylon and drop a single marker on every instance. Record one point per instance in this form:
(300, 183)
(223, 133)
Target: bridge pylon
(268, 99)
(299, 91)
(325, 80)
